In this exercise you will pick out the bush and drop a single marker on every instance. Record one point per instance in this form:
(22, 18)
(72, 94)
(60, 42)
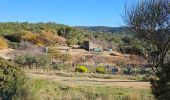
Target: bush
(101, 70)
(42, 60)
(27, 60)
(130, 50)
(54, 53)
(81, 69)
(128, 71)
(14, 45)
(3, 43)
(65, 57)
(161, 87)
(14, 37)
(125, 70)
(30, 60)
(12, 80)
(43, 38)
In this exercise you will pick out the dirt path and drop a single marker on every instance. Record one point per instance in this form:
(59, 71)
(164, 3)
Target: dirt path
(4, 53)
(93, 81)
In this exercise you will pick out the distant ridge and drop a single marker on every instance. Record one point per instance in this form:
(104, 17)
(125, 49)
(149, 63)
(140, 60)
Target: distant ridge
(103, 29)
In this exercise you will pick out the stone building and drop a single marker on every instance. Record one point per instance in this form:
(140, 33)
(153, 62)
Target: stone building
(89, 45)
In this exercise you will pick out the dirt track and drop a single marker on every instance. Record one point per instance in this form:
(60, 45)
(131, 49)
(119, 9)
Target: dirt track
(93, 81)
(4, 53)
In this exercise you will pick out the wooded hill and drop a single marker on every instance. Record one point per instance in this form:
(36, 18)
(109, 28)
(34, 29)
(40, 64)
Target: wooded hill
(105, 29)
(50, 33)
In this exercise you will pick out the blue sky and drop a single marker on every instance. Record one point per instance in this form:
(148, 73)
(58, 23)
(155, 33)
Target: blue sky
(69, 12)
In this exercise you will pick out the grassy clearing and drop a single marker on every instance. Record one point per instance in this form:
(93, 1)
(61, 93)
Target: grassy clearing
(88, 75)
(42, 89)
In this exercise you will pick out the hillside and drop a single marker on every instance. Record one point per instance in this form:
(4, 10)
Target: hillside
(104, 29)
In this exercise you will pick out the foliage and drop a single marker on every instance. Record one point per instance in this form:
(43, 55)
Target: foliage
(150, 20)
(131, 45)
(130, 50)
(43, 38)
(31, 60)
(130, 71)
(80, 39)
(3, 43)
(81, 69)
(65, 57)
(40, 33)
(116, 39)
(101, 70)
(162, 85)
(72, 41)
(50, 37)
(104, 29)
(27, 60)
(54, 53)
(14, 37)
(16, 27)
(14, 45)
(12, 80)
(43, 34)
(43, 60)
(32, 37)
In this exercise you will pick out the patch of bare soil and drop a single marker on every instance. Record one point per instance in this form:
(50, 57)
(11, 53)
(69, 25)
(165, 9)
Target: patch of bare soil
(4, 53)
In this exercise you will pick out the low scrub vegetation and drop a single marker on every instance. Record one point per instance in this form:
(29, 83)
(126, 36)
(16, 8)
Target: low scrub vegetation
(81, 69)
(101, 70)
(13, 81)
(43, 89)
(3, 43)
(58, 56)
(41, 61)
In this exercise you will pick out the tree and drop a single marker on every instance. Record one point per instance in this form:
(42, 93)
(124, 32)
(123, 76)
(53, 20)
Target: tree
(150, 21)
(32, 37)
(51, 38)
(72, 41)
(80, 39)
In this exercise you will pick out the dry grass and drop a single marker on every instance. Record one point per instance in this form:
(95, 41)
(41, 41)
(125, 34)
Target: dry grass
(89, 79)
(42, 89)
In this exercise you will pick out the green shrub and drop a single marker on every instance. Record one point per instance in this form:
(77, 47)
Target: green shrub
(12, 80)
(125, 70)
(65, 57)
(54, 53)
(30, 60)
(27, 60)
(81, 69)
(42, 60)
(14, 37)
(3, 43)
(128, 49)
(101, 70)
(14, 45)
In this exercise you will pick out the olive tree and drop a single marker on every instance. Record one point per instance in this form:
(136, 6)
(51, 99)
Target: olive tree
(150, 21)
